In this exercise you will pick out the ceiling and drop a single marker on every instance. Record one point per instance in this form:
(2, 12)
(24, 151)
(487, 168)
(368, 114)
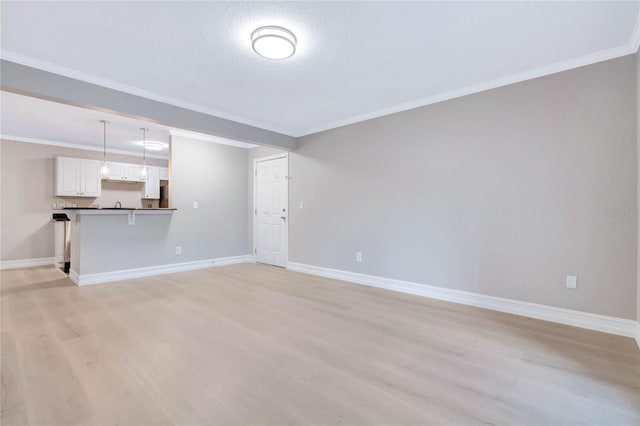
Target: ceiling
(36, 120)
(355, 60)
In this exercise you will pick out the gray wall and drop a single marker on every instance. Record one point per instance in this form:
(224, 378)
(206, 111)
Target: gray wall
(503, 192)
(27, 191)
(216, 177)
(110, 244)
(257, 152)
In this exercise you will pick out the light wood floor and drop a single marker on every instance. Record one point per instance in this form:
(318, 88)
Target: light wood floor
(252, 344)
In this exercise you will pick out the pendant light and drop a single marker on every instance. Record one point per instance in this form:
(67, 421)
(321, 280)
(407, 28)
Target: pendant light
(144, 172)
(104, 171)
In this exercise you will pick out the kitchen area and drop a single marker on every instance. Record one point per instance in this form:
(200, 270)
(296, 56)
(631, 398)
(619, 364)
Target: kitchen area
(105, 191)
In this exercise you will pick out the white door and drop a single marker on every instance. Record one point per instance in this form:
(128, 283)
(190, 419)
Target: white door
(271, 211)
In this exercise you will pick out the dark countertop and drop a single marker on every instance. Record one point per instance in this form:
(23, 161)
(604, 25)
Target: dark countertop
(114, 208)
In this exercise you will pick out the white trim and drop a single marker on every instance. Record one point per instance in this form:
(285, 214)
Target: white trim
(638, 333)
(73, 276)
(76, 146)
(103, 277)
(607, 324)
(634, 42)
(29, 61)
(27, 263)
(209, 138)
(627, 49)
(255, 192)
(480, 87)
(271, 157)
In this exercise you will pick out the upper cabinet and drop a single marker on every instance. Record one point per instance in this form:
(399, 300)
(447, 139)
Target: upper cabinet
(124, 172)
(152, 184)
(77, 177)
(164, 173)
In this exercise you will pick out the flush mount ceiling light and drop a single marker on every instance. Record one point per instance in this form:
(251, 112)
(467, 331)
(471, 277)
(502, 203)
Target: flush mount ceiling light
(273, 42)
(153, 145)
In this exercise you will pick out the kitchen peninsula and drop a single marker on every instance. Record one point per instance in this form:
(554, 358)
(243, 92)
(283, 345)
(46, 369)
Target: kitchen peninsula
(99, 237)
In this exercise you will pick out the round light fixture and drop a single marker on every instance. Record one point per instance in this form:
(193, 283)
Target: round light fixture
(273, 42)
(153, 145)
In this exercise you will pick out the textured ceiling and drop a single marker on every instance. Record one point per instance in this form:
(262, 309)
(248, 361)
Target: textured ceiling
(355, 60)
(36, 120)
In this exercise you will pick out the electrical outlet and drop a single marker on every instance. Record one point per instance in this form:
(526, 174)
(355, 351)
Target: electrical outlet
(572, 282)
(195, 204)
(54, 206)
(178, 250)
(301, 205)
(358, 257)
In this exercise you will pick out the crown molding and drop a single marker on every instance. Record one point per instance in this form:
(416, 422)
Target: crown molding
(208, 138)
(76, 146)
(29, 61)
(630, 48)
(634, 42)
(601, 56)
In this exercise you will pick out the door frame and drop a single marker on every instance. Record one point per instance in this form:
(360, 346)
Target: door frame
(254, 212)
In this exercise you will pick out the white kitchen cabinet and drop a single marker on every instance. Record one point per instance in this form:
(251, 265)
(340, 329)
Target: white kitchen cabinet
(124, 172)
(90, 182)
(77, 177)
(116, 171)
(164, 173)
(132, 172)
(152, 184)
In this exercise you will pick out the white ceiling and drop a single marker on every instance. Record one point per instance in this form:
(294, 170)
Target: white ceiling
(355, 60)
(36, 120)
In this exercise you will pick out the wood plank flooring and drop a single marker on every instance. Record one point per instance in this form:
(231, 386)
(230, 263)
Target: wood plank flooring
(251, 344)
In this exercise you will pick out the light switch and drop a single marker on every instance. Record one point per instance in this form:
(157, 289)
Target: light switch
(572, 282)
(195, 204)
(301, 205)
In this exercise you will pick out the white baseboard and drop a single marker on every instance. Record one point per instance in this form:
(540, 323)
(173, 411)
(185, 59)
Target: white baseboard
(124, 274)
(27, 263)
(638, 334)
(607, 324)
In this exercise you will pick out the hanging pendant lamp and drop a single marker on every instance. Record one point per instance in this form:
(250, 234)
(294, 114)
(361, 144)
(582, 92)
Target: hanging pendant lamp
(104, 171)
(144, 172)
